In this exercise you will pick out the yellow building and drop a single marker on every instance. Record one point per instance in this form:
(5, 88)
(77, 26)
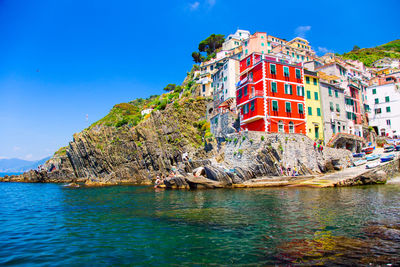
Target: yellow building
(315, 125)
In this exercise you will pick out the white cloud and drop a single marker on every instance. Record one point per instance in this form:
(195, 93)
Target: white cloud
(194, 6)
(16, 148)
(28, 157)
(324, 50)
(302, 30)
(211, 3)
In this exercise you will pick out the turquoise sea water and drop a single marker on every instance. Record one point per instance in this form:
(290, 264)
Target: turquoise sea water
(48, 224)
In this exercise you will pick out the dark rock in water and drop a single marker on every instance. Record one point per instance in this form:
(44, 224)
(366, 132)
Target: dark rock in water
(177, 182)
(199, 182)
(217, 174)
(386, 232)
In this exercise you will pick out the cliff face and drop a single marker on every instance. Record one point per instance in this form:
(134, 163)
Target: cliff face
(111, 154)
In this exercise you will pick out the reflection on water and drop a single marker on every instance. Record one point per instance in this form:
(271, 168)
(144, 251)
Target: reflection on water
(137, 225)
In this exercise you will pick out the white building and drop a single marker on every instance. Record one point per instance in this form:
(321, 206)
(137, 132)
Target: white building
(384, 104)
(235, 40)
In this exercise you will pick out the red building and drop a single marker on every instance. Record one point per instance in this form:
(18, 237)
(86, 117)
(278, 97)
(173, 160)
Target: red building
(270, 95)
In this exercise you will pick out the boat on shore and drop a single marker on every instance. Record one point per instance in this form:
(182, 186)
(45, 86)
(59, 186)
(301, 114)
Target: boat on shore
(368, 150)
(387, 158)
(372, 165)
(359, 155)
(372, 157)
(359, 162)
(388, 148)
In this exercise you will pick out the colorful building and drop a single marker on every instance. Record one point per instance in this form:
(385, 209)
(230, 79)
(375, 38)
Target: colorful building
(315, 126)
(270, 95)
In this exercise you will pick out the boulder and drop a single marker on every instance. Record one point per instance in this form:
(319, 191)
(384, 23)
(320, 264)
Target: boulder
(200, 182)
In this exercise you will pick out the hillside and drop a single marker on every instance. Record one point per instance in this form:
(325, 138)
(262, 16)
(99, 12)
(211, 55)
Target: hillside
(19, 165)
(369, 55)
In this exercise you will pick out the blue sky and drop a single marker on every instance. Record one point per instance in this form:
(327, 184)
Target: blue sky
(62, 60)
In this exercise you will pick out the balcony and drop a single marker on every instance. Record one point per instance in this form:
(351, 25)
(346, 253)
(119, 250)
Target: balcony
(256, 93)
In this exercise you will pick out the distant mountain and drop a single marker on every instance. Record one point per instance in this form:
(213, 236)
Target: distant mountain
(369, 55)
(19, 165)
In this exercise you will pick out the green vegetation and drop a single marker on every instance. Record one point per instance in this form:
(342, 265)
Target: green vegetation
(240, 151)
(210, 45)
(369, 55)
(61, 152)
(262, 138)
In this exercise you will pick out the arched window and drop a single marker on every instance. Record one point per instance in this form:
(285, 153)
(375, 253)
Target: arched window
(281, 129)
(291, 127)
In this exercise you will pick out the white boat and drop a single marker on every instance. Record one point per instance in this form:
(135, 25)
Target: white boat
(360, 162)
(372, 165)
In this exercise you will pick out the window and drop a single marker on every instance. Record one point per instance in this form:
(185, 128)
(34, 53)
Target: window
(319, 112)
(280, 127)
(298, 74)
(273, 87)
(245, 91)
(329, 91)
(378, 111)
(251, 77)
(300, 90)
(245, 43)
(291, 127)
(388, 122)
(288, 89)
(387, 109)
(374, 91)
(286, 71)
(273, 69)
(316, 95)
(308, 80)
(301, 109)
(204, 88)
(262, 44)
(248, 61)
(315, 81)
(308, 94)
(309, 111)
(246, 108)
(348, 115)
(288, 107)
(336, 93)
(376, 100)
(246, 51)
(252, 105)
(274, 105)
(240, 93)
(331, 106)
(387, 99)
(337, 108)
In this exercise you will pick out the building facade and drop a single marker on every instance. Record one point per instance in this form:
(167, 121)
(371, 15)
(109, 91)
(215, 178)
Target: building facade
(333, 109)
(270, 95)
(314, 126)
(384, 104)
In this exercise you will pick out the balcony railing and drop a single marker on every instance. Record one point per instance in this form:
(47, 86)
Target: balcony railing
(256, 93)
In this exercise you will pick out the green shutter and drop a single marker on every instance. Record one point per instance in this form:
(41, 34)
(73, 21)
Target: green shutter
(274, 105)
(308, 94)
(387, 99)
(316, 95)
(252, 105)
(301, 109)
(309, 111)
(387, 109)
(318, 112)
(337, 108)
(336, 94)
(329, 91)
(273, 69)
(298, 74)
(291, 89)
(376, 100)
(274, 89)
(331, 106)
(288, 107)
(308, 80)
(374, 91)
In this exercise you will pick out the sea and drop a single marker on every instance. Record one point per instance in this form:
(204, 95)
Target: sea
(52, 225)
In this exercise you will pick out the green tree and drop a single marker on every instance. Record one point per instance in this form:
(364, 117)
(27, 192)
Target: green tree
(197, 57)
(212, 43)
(355, 48)
(170, 87)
